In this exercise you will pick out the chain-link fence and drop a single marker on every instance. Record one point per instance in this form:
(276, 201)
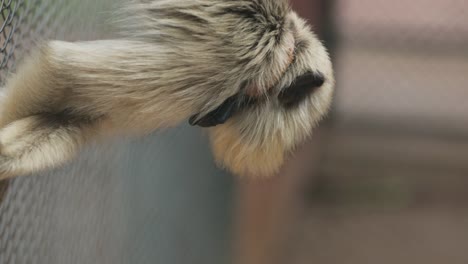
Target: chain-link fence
(25, 22)
(159, 200)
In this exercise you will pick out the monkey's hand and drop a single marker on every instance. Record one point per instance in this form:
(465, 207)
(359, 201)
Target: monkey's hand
(177, 59)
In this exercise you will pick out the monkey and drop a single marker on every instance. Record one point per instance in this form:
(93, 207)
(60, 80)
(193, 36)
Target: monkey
(252, 73)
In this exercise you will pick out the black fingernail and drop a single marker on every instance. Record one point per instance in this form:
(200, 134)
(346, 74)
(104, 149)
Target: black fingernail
(221, 114)
(300, 89)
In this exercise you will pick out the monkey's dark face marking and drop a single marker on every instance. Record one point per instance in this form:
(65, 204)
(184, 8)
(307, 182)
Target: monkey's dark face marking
(300, 89)
(223, 113)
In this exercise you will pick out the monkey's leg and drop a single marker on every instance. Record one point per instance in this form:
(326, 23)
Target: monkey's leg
(40, 142)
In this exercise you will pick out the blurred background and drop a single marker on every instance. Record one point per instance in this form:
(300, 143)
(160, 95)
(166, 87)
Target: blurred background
(383, 180)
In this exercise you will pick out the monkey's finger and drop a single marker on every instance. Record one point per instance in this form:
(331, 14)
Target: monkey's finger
(301, 88)
(219, 116)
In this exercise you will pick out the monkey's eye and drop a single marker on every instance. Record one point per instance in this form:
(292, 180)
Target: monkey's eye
(300, 89)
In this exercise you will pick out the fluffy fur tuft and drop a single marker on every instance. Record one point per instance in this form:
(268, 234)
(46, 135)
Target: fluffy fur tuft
(175, 59)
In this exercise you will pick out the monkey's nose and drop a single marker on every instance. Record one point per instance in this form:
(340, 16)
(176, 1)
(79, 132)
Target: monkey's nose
(301, 88)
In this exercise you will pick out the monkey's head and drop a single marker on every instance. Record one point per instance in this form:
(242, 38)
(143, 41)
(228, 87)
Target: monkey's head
(267, 79)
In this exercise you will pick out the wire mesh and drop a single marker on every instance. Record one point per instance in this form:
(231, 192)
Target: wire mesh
(27, 210)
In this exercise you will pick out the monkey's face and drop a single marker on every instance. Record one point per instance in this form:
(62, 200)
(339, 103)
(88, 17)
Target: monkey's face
(288, 90)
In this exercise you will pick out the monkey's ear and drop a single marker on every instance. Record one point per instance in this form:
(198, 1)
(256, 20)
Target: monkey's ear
(223, 113)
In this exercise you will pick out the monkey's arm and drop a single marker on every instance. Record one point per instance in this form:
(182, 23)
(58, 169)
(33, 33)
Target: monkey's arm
(67, 94)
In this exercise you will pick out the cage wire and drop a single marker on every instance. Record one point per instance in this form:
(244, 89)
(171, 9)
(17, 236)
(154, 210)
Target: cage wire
(121, 202)
(25, 210)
